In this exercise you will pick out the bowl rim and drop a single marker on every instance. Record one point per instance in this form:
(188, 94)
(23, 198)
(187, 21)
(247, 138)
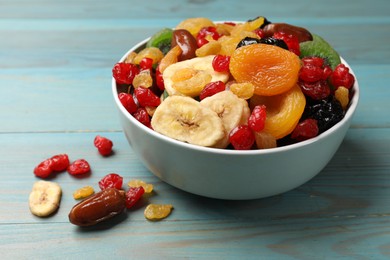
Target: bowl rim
(353, 103)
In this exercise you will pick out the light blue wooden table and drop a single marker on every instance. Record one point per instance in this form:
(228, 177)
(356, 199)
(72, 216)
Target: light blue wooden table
(55, 75)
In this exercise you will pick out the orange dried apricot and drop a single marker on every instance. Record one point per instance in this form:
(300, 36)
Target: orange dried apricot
(283, 111)
(271, 69)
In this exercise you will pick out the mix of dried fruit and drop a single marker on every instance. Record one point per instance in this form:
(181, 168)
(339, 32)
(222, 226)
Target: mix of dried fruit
(93, 208)
(249, 85)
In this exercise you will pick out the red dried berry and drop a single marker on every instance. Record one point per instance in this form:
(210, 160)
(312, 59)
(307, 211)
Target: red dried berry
(79, 167)
(142, 116)
(160, 80)
(310, 73)
(128, 102)
(242, 137)
(60, 162)
(133, 195)
(124, 73)
(206, 31)
(256, 120)
(315, 61)
(212, 88)
(44, 169)
(111, 180)
(201, 41)
(103, 144)
(146, 63)
(221, 63)
(146, 97)
(316, 90)
(342, 77)
(259, 32)
(291, 41)
(327, 71)
(305, 130)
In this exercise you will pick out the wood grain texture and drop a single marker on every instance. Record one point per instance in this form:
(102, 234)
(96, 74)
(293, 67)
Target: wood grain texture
(55, 83)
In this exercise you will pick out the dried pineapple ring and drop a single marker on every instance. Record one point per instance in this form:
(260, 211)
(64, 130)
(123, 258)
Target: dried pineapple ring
(156, 212)
(83, 192)
(148, 188)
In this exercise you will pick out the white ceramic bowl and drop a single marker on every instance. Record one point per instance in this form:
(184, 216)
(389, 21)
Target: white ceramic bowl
(230, 174)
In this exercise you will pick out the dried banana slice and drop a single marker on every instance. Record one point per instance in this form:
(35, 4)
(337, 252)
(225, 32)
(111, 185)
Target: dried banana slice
(45, 198)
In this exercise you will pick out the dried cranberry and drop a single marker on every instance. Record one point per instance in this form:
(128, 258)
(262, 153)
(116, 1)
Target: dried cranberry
(133, 195)
(242, 137)
(204, 32)
(316, 90)
(79, 167)
(142, 116)
(146, 97)
(221, 63)
(60, 162)
(291, 41)
(160, 80)
(342, 77)
(103, 144)
(315, 61)
(306, 129)
(212, 88)
(111, 180)
(310, 73)
(327, 71)
(44, 169)
(124, 73)
(146, 63)
(128, 102)
(256, 120)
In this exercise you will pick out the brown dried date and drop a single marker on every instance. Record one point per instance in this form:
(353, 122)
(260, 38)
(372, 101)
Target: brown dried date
(186, 42)
(99, 207)
(302, 34)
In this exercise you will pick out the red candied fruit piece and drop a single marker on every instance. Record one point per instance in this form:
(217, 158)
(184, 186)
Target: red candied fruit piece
(44, 169)
(128, 102)
(142, 116)
(60, 162)
(305, 130)
(256, 120)
(212, 88)
(342, 77)
(79, 167)
(259, 32)
(124, 73)
(291, 41)
(146, 63)
(242, 137)
(221, 63)
(316, 90)
(315, 61)
(205, 31)
(160, 80)
(146, 97)
(103, 144)
(133, 195)
(310, 73)
(111, 180)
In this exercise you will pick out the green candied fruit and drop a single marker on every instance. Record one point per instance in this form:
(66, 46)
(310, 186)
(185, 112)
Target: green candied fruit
(320, 48)
(162, 40)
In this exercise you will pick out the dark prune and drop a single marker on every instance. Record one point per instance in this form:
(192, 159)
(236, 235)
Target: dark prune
(247, 41)
(273, 41)
(327, 112)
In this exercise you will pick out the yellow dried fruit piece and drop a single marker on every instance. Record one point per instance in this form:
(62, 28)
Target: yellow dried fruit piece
(265, 140)
(170, 58)
(143, 79)
(210, 48)
(137, 183)
(153, 53)
(156, 212)
(342, 95)
(193, 25)
(130, 57)
(224, 29)
(243, 90)
(190, 82)
(83, 192)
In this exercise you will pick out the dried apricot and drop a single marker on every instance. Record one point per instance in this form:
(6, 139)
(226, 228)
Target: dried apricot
(283, 111)
(271, 69)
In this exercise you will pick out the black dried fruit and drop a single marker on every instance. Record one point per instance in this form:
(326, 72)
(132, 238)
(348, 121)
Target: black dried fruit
(327, 112)
(247, 41)
(273, 41)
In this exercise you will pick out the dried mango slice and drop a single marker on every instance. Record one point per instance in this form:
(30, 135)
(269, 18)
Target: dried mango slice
(157, 212)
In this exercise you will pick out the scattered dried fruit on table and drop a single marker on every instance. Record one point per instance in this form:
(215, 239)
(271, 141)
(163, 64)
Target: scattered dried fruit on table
(83, 192)
(148, 187)
(79, 167)
(44, 198)
(103, 144)
(157, 212)
(111, 180)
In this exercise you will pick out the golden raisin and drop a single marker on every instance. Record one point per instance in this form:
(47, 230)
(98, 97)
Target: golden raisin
(342, 95)
(170, 58)
(83, 192)
(243, 90)
(148, 188)
(153, 53)
(193, 25)
(130, 57)
(156, 212)
(265, 140)
(143, 79)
